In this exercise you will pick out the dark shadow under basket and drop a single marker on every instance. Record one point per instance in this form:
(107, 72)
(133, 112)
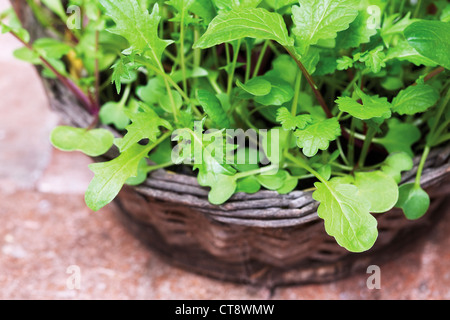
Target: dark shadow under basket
(265, 239)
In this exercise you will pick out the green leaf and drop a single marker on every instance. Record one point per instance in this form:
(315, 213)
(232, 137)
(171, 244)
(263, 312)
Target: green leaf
(318, 135)
(114, 113)
(237, 24)
(404, 52)
(289, 122)
(256, 86)
(395, 163)
(413, 200)
(51, 48)
(371, 107)
(165, 101)
(415, 99)
(393, 26)
(152, 92)
(139, 27)
(359, 31)
(346, 214)
(374, 59)
(213, 108)
(222, 190)
(315, 20)
(273, 181)
(141, 175)
(289, 184)
(431, 39)
(111, 176)
(123, 72)
(281, 92)
(145, 125)
(248, 185)
(57, 8)
(378, 188)
(93, 142)
(400, 137)
(344, 63)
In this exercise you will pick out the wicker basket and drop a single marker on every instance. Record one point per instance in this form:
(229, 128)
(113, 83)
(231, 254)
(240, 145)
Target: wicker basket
(265, 239)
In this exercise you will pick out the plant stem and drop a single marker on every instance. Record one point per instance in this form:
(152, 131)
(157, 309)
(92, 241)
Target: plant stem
(425, 154)
(351, 143)
(417, 11)
(249, 61)
(260, 58)
(181, 51)
(366, 146)
(159, 166)
(233, 68)
(302, 164)
(312, 84)
(91, 106)
(298, 84)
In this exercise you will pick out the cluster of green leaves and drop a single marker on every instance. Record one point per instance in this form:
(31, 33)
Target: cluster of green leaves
(344, 94)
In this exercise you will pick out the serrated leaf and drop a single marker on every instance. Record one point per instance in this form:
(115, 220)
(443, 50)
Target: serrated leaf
(138, 26)
(145, 125)
(346, 214)
(237, 24)
(374, 59)
(431, 39)
(318, 135)
(378, 188)
(318, 19)
(93, 142)
(111, 176)
(371, 106)
(289, 122)
(213, 108)
(415, 99)
(359, 31)
(413, 200)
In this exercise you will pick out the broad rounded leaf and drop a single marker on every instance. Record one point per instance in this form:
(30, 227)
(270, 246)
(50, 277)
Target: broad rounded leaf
(413, 200)
(378, 188)
(91, 142)
(256, 86)
(431, 39)
(347, 217)
(222, 190)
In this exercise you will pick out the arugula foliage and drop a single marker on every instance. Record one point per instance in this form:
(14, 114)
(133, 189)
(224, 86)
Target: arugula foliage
(341, 95)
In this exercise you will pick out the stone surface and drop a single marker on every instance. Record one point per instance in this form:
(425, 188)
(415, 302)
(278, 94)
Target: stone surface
(47, 232)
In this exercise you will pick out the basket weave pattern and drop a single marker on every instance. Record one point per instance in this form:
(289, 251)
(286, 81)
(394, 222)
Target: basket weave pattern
(263, 239)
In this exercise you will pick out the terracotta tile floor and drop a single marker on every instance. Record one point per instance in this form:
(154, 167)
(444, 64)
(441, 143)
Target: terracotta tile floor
(45, 226)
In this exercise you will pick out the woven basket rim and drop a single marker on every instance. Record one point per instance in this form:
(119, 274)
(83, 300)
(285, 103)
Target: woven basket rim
(264, 208)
